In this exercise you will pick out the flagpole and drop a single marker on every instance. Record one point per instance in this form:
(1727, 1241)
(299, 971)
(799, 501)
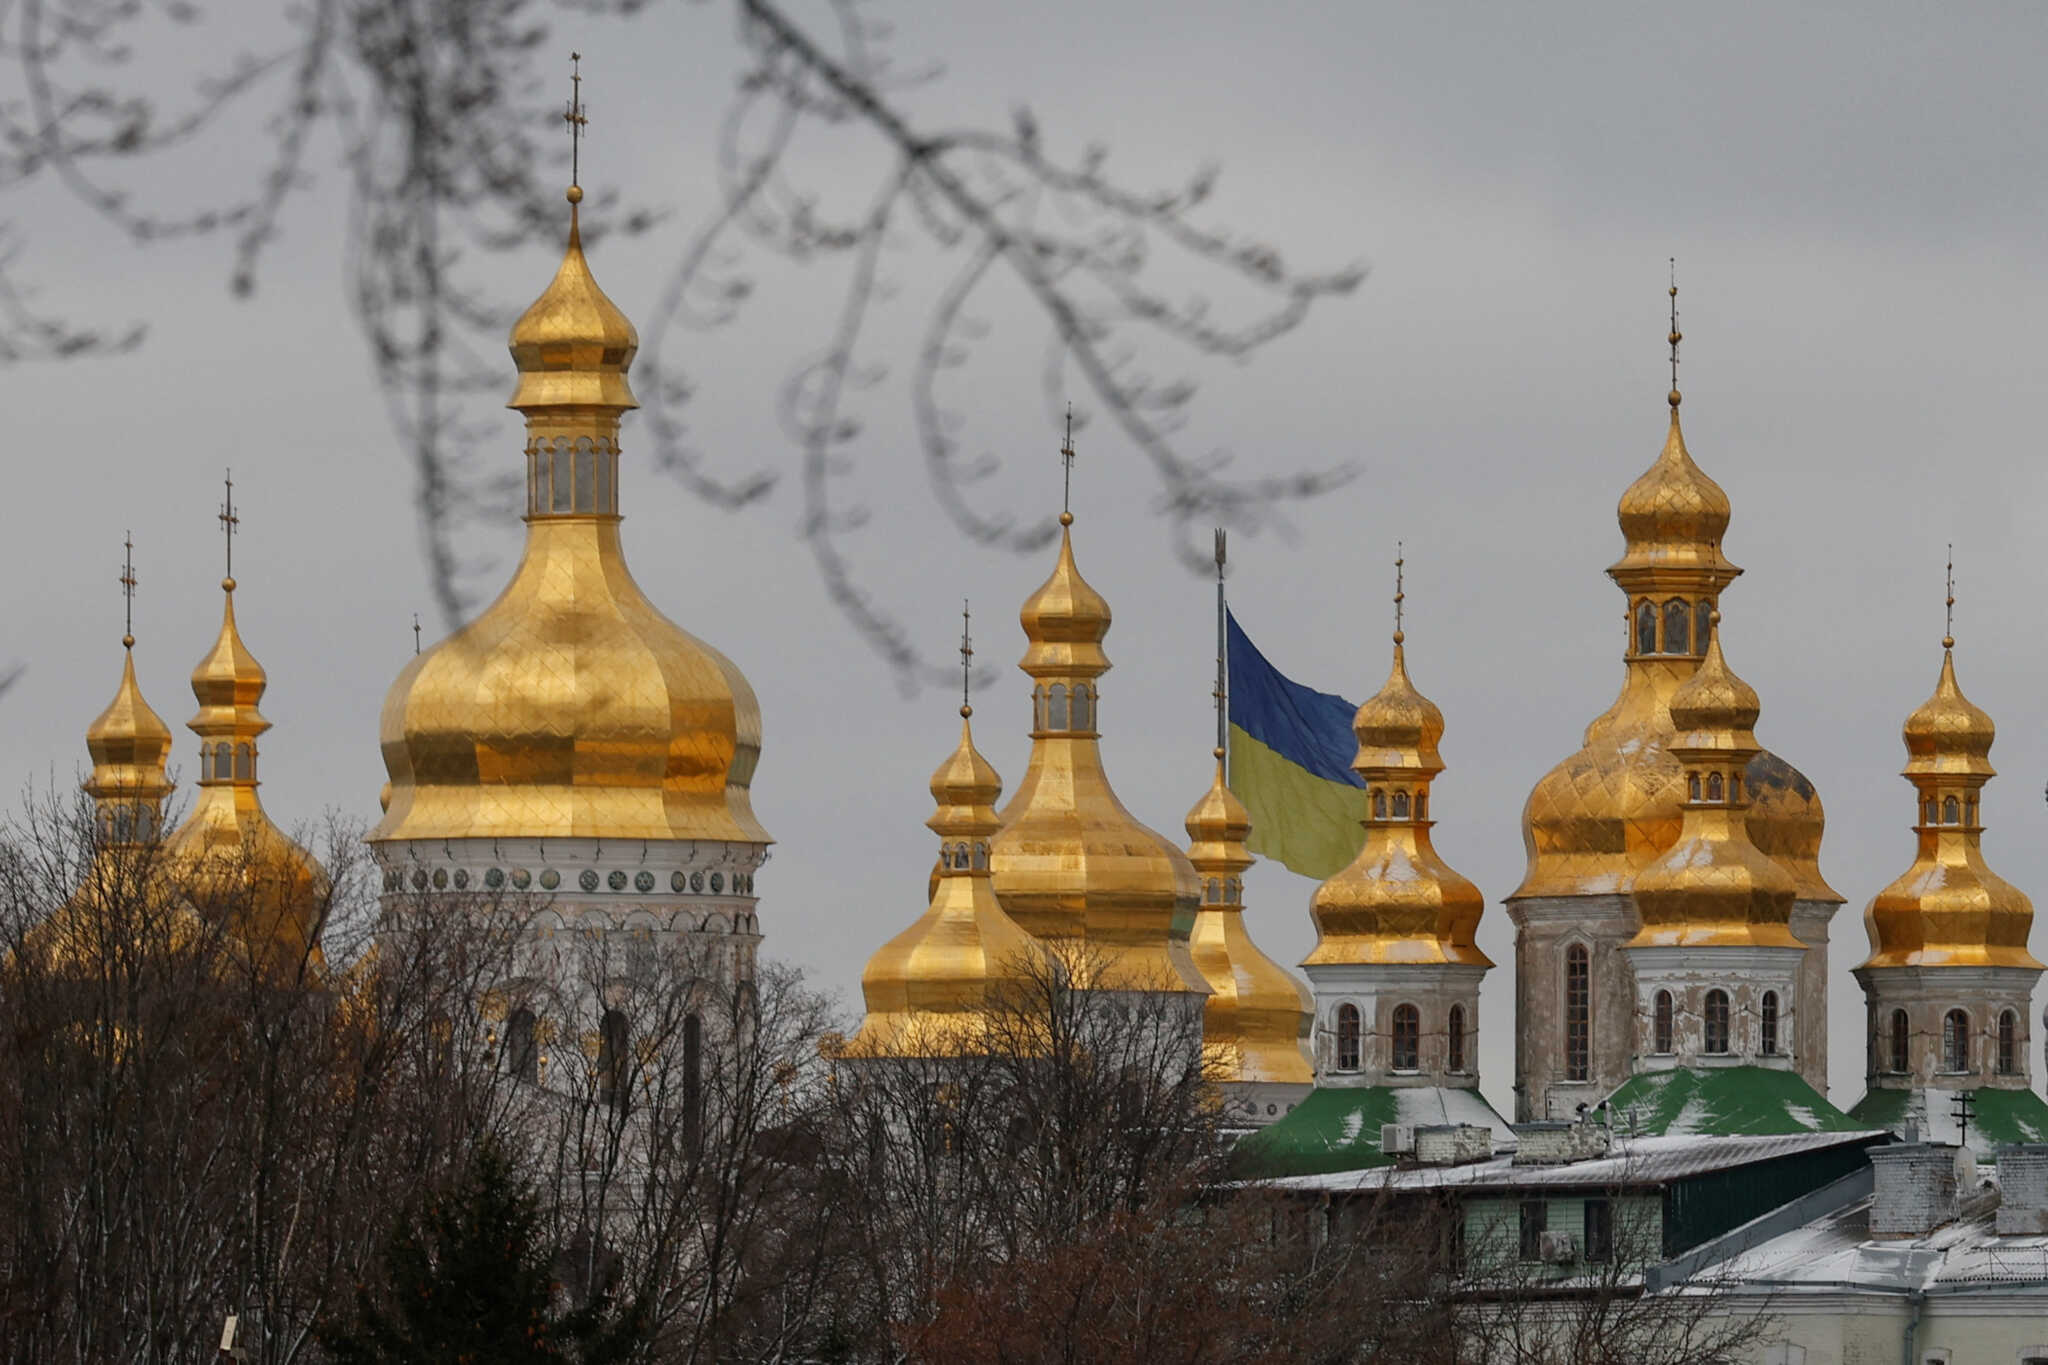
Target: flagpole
(1222, 673)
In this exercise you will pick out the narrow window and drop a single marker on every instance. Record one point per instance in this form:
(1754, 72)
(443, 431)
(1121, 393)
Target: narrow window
(1407, 1038)
(223, 761)
(1599, 1231)
(2008, 1042)
(1955, 1041)
(586, 475)
(1716, 791)
(1677, 623)
(693, 1078)
(1084, 707)
(1692, 786)
(1578, 1013)
(1717, 1022)
(1379, 805)
(1951, 814)
(607, 462)
(1347, 1038)
(1900, 1061)
(1400, 805)
(1422, 805)
(1704, 614)
(1661, 1024)
(1767, 1024)
(1056, 707)
(1454, 1042)
(1970, 810)
(245, 764)
(522, 1054)
(1646, 628)
(563, 462)
(613, 1056)
(1927, 811)
(1535, 1222)
(1038, 707)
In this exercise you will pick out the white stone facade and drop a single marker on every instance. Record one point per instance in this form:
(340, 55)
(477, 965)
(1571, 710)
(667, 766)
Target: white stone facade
(1445, 1051)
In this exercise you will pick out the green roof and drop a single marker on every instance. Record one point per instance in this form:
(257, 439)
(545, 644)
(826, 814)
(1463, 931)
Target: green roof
(1998, 1117)
(1733, 1101)
(1337, 1128)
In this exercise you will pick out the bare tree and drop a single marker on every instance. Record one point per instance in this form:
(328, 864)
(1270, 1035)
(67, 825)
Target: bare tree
(440, 146)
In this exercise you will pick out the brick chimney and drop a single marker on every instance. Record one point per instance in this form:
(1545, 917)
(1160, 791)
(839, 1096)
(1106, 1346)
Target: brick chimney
(1919, 1186)
(2023, 1191)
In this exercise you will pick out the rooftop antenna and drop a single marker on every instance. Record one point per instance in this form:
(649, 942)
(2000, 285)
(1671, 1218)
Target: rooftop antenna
(1676, 335)
(1948, 630)
(966, 661)
(228, 522)
(1222, 657)
(1067, 463)
(573, 116)
(128, 590)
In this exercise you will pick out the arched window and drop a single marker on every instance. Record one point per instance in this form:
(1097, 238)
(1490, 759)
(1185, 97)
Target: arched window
(1454, 1041)
(1692, 786)
(1578, 1013)
(1347, 1038)
(223, 761)
(1422, 805)
(1677, 626)
(1901, 1036)
(2008, 1042)
(1970, 810)
(1716, 1040)
(1379, 805)
(1646, 628)
(1660, 1024)
(1716, 789)
(1927, 811)
(693, 1078)
(1056, 707)
(1951, 814)
(1400, 805)
(1407, 1038)
(1955, 1041)
(1767, 1025)
(1084, 707)
(614, 1056)
(522, 1051)
(1703, 613)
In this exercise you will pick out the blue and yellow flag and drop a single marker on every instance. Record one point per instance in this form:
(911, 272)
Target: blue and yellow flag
(1290, 763)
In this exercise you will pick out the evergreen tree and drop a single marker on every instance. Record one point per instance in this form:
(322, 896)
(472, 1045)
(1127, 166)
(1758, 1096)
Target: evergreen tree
(466, 1280)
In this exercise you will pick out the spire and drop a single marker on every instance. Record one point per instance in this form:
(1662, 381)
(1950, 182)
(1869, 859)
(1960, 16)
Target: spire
(228, 683)
(1398, 901)
(1715, 887)
(129, 742)
(1950, 908)
(1676, 336)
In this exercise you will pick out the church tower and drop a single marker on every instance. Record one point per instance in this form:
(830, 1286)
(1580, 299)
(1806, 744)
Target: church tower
(1599, 818)
(1949, 976)
(571, 742)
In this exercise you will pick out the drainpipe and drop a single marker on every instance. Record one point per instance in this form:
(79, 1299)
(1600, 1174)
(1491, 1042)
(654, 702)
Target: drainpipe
(1918, 1299)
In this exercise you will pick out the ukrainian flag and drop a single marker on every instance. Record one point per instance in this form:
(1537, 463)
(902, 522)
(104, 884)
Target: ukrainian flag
(1290, 763)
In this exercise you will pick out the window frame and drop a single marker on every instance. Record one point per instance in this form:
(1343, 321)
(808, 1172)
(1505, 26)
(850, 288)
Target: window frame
(1350, 1031)
(1717, 1011)
(1578, 1012)
(1405, 1033)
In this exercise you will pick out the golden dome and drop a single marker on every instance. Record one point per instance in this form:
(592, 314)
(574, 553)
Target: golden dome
(571, 707)
(1714, 886)
(1256, 1019)
(1071, 862)
(1949, 909)
(1602, 815)
(1398, 901)
(130, 745)
(234, 863)
(928, 990)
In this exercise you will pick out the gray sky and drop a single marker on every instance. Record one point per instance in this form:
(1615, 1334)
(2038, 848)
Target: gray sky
(1854, 193)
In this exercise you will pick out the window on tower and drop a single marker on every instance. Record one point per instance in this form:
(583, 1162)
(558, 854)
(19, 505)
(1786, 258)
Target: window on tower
(1646, 628)
(1901, 1036)
(1955, 1041)
(1716, 1021)
(1660, 1024)
(1578, 1013)
(522, 1051)
(2008, 1042)
(1716, 788)
(1454, 1041)
(1677, 626)
(1951, 813)
(1407, 1038)
(1704, 615)
(1348, 1039)
(1767, 1024)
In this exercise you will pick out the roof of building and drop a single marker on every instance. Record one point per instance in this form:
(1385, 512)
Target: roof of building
(1837, 1252)
(1997, 1118)
(1725, 1102)
(1640, 1162)
(1337, 1128)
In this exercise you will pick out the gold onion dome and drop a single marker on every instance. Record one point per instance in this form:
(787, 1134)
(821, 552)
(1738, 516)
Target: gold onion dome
(1950, 908)
(1598, 818)
(1257, 1013)
(1714, 886)
(571, 707)
(1071, 862)
(130, 746)
(931, 989)
(234, 862)
(1398, 901)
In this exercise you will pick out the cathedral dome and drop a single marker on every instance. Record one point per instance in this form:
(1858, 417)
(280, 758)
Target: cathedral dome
(571, 707)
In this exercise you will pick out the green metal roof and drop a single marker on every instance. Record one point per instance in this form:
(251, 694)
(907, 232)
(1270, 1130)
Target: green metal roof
(1338, 1128)
(1733, 1101)
(1998, 1117)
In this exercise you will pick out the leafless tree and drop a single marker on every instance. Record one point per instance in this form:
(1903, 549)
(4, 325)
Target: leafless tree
(1133, 287)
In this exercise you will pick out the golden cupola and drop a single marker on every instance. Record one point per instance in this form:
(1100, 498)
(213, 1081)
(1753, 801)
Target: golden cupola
(1714, 886)
(1949, 909)
(930, 989)
(571, 707)
(130, 746)
(1256, 1019)
(1598, 818)
(236, 865)
(1398, 901)
(1071, 863)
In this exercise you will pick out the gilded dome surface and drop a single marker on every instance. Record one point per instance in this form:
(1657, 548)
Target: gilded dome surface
(1949, 908)
(571, 707)
(129, 744)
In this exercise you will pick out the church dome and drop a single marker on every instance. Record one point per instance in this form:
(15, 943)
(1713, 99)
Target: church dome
(571, 707)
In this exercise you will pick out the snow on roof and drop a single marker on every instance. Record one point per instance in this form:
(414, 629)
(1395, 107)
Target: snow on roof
(1837, 1252)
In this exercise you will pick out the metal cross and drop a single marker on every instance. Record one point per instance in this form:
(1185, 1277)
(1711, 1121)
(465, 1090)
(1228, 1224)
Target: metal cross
(1067, 462)
(1948, 630)
(415, 632)
(573, 116)
(1676, 335)
(128, 588)
(229, 521)
(1400, 588)
(966, 660)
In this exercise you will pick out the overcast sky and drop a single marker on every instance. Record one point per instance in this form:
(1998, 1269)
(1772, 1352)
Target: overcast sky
(1855, 196)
